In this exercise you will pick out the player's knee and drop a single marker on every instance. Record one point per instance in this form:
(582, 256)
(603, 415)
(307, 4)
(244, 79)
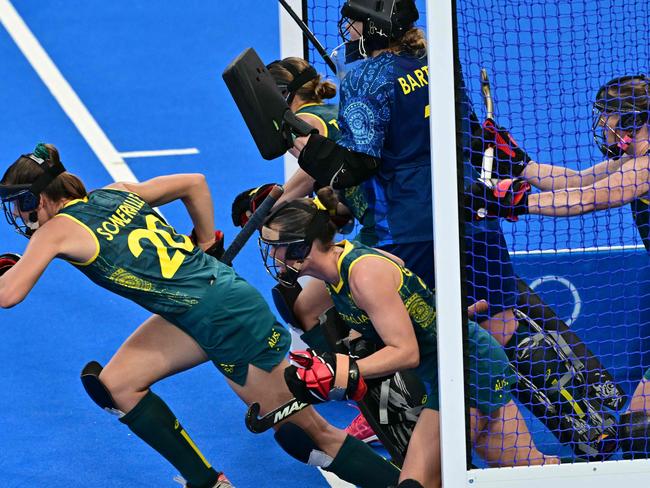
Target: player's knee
(300, 445)
(97, 390)
(124, 391)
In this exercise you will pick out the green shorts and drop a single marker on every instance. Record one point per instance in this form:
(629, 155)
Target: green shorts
(646, 375)
(235, 327)
(491, 376)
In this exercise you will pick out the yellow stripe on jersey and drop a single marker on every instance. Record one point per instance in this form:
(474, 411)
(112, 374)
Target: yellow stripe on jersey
(325, 131)
(92, 259)
(385, 258)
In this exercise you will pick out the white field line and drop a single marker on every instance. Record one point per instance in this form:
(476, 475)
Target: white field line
(159, 152)
(580, 249)
(64, 94)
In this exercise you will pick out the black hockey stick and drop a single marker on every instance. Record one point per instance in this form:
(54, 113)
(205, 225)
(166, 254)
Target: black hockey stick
(252, 225)
(257, 425)
(310, 35)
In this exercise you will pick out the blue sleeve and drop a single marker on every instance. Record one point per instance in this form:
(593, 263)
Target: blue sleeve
(365, 108)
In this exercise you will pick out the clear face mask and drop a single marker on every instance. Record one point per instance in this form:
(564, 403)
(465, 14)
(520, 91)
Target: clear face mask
(347, 57)
(279, 270)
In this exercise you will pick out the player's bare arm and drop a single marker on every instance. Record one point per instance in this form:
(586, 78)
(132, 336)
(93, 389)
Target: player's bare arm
(191, 189)
(378, 296)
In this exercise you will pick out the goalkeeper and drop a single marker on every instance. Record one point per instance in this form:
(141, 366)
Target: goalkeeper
(202, 310)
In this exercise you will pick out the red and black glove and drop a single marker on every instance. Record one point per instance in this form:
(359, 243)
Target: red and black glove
(322, 377)
(247, 202)
(216, 250)
(7, 260)
(508, 199)
(509, 159)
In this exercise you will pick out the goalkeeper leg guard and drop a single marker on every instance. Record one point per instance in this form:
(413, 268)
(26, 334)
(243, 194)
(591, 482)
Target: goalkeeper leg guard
(153, 422)
(359, 464)
(634, 435)
(600, 384)
(552, 382)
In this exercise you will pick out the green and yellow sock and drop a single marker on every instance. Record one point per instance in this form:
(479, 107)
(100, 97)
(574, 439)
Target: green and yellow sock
(357, 463)
(153, 422)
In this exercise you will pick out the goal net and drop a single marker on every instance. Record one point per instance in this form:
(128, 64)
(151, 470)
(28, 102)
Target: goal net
(569, 295)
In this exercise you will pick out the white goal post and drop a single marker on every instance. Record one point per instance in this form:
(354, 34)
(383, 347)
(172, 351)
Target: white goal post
(456, 472)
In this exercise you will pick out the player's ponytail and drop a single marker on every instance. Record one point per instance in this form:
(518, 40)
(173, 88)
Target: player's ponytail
(25, 171)
(324, 90)
(314, 91)
(413, 42)
(66, 185)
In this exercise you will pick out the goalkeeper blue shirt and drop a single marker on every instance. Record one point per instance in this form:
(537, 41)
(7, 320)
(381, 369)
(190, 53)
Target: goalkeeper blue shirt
(384, 112)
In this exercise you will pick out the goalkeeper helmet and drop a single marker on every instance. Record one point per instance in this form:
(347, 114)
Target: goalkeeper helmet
(383, 22)
(627, 97)
(294, 226)
(24, 197)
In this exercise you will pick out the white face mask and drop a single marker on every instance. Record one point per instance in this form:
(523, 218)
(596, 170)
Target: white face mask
(347, 57)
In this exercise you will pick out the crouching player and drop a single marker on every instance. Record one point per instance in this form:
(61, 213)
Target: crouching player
(201, 309)
(386, 303)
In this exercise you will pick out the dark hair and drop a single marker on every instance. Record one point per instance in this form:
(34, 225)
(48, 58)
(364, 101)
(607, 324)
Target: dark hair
(296, 219)
(315, 90)
(627, 95)
(25, 171)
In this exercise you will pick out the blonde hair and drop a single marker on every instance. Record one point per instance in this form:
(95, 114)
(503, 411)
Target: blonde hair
(315, 90)
(413, 42)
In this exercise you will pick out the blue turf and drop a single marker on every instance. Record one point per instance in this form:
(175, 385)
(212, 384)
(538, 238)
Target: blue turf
(150, 73)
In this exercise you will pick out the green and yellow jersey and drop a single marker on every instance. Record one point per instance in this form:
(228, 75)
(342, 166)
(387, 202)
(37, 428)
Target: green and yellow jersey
(490, 375)
(417, 298)
(326, 114)
(139, 256)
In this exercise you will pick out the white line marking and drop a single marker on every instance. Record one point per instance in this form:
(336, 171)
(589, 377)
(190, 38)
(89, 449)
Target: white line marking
(334, 481)
(64, 94)
(581, 249)
(160, 152)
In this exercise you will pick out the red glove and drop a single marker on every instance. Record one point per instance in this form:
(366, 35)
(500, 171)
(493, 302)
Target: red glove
(247, 202)
(509, 159)
(322, 377)
(508, 199)
(7, 260)
(215, 250)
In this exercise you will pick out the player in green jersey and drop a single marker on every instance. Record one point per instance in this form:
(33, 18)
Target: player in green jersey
(386, 303)
(202, 310)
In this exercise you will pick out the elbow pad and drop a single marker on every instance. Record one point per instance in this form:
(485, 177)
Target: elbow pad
(333, 165)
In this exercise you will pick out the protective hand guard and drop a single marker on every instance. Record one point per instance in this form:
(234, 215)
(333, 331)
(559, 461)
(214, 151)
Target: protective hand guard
(247, 202)
(322, 377)
(7, 260)
(508, 199)
(509, 159)
(333, 165)
(216, 250)
(262, 106)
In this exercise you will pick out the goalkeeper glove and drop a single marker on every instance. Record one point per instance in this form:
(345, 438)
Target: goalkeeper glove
(509, 159)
